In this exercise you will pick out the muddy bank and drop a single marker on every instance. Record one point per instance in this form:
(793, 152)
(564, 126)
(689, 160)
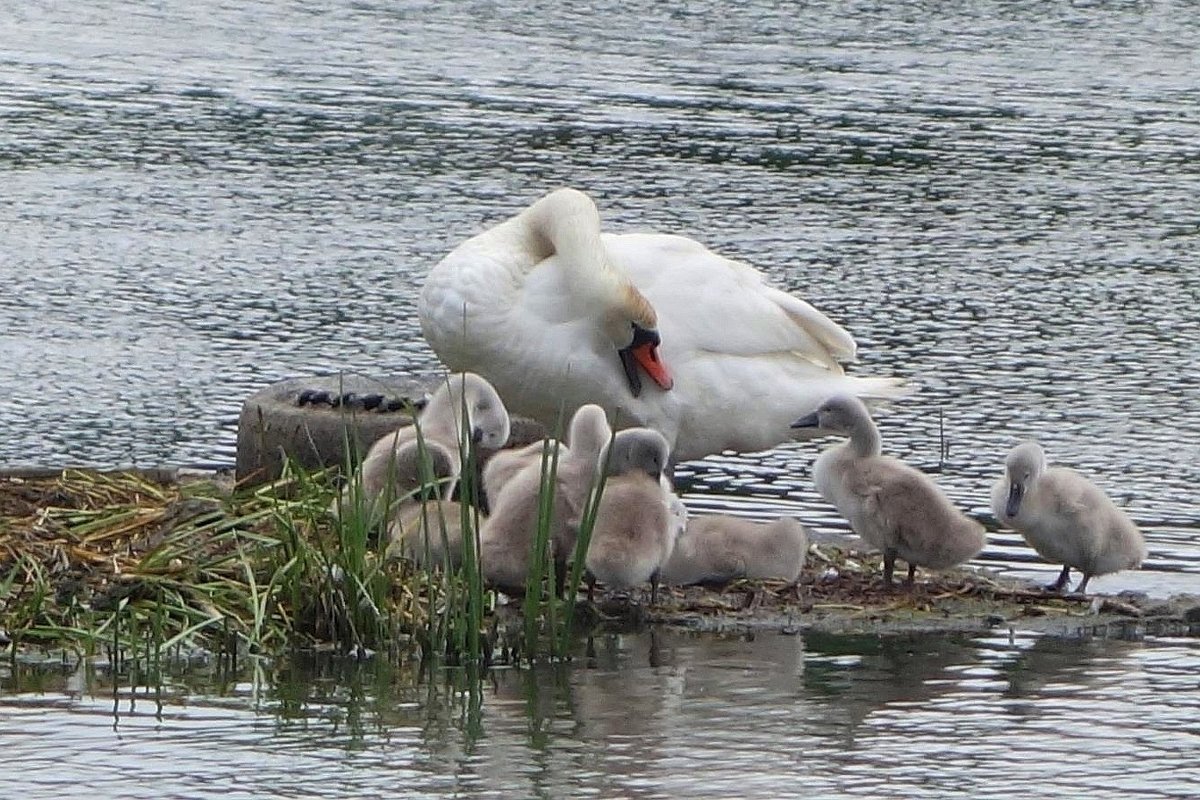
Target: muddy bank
(857, 603)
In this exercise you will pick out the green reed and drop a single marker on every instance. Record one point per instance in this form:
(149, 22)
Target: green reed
(541, 596)
(579, 557)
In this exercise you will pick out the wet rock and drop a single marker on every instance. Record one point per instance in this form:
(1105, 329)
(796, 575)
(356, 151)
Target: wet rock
(312, 419)
(321, 420)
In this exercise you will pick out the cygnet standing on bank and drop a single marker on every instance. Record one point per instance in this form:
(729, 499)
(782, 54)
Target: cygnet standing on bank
(891, 505)
(1065, 517)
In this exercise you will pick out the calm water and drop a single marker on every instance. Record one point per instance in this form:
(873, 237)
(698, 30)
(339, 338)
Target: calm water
(661, 715)
(997, 200)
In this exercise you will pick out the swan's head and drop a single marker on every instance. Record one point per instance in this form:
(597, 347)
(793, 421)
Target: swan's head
(1024, 465)
(632, 326)
(566, 223)
(486, 417)
(841, 414)
(637, 450)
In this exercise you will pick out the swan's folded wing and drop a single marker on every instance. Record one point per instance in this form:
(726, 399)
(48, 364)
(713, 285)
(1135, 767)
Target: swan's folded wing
(719, 305)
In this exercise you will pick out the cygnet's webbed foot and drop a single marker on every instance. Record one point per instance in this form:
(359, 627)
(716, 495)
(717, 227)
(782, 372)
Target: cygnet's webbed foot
(1063, 578)
(911, 580)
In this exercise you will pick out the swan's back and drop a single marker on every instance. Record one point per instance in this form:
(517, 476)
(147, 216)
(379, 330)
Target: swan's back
(679, 273)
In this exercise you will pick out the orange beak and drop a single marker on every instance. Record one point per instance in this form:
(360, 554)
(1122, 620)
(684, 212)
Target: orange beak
(647, 358)
(643, 352)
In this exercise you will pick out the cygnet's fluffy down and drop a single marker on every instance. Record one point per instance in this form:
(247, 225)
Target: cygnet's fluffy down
(638, 516)
(1065, 517)
(588, 433)
(401, 463)
(892, 506)
(507, 538)
(717, 548)
(430, 533)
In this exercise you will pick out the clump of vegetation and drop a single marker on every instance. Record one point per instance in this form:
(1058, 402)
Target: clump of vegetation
(122, 561)
(92, 559)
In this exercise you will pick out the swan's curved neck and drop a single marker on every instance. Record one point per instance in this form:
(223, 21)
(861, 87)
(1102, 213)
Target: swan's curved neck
(865, 440)
(566, 223)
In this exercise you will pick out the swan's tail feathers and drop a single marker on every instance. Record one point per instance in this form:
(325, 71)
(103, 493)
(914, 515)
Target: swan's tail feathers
(876, 390)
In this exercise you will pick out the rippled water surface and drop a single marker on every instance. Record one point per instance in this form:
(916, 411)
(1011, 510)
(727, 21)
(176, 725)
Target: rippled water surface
(649, 716)
(998, 200)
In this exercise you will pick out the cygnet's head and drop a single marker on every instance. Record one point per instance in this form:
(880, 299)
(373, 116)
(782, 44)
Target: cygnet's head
(589, 431)
(487, 418)
(843, 414)
(638, 449)
(1025, 463)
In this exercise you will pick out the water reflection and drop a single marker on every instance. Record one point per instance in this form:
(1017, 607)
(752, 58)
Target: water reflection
(207, 202)
(652, 714)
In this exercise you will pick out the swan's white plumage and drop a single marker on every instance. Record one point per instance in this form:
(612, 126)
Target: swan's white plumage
(538, 302)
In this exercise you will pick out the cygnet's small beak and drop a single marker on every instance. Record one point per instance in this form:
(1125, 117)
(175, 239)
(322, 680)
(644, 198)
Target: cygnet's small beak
(807, 421)
(476, 435)
(1015, 492)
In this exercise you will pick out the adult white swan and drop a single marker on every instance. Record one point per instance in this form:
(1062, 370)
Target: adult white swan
(557, 314)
